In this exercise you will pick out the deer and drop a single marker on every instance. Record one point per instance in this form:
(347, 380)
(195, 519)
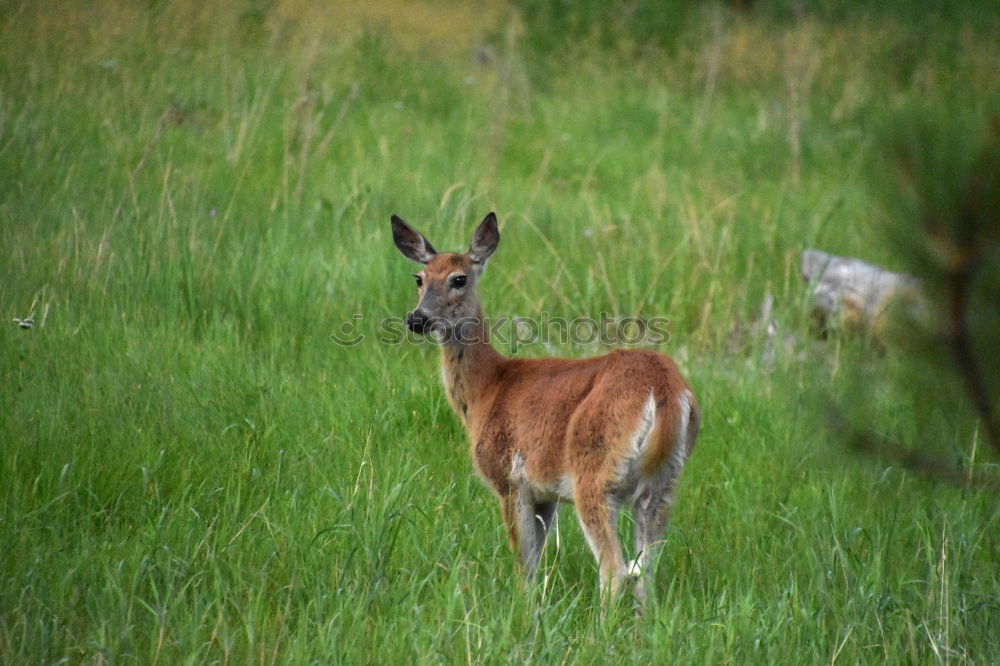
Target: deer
(599, 433)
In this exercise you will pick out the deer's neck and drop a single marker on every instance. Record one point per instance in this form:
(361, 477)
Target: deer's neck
(468, 363)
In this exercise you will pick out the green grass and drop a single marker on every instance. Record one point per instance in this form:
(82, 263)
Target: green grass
(194, 197)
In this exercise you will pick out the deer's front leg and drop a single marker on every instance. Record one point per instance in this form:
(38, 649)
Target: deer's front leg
(508, 507)
(527, 524)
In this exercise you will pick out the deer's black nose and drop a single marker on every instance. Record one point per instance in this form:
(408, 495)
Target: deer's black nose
(417, 321)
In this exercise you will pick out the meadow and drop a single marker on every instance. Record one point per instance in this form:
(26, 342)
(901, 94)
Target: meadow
(195, 202)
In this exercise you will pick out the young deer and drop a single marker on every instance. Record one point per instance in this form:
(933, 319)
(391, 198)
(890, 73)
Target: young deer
(597, 432)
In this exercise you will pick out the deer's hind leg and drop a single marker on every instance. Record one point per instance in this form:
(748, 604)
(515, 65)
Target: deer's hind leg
(603, 438)
(598, 518)
(653, 505)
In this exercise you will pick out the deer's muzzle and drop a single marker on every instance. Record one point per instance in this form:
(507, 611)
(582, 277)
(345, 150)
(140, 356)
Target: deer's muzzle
(417, 321)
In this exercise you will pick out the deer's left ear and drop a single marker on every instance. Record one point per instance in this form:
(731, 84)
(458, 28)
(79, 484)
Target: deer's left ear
(484, 241)
(410, 242)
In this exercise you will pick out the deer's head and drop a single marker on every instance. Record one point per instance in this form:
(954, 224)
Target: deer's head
(447, 284)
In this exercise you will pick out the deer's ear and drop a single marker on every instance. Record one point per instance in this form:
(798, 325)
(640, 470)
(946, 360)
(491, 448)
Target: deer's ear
(411, 243)
(484, 241)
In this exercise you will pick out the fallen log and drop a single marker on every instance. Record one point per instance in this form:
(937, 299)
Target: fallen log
(856, 296)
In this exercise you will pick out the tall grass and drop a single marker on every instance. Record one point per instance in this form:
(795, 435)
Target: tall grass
(194, 197)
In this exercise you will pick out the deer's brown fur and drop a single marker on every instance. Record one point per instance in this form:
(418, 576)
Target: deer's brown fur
(600, 432)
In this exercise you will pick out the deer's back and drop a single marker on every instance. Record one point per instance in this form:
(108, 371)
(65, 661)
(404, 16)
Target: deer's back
(545, 414)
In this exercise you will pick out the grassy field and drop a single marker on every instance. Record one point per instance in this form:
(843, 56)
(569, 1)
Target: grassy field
(195, 196)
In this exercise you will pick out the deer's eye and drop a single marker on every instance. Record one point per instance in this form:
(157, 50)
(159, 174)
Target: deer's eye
(458, 281)
(420, 280)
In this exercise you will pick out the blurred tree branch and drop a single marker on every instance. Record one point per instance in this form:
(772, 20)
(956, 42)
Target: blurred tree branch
(944, 202)
(870, 444)
(965, 251)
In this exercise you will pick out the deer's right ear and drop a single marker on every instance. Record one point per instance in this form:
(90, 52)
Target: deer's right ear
(411, 242)
(484, 241)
